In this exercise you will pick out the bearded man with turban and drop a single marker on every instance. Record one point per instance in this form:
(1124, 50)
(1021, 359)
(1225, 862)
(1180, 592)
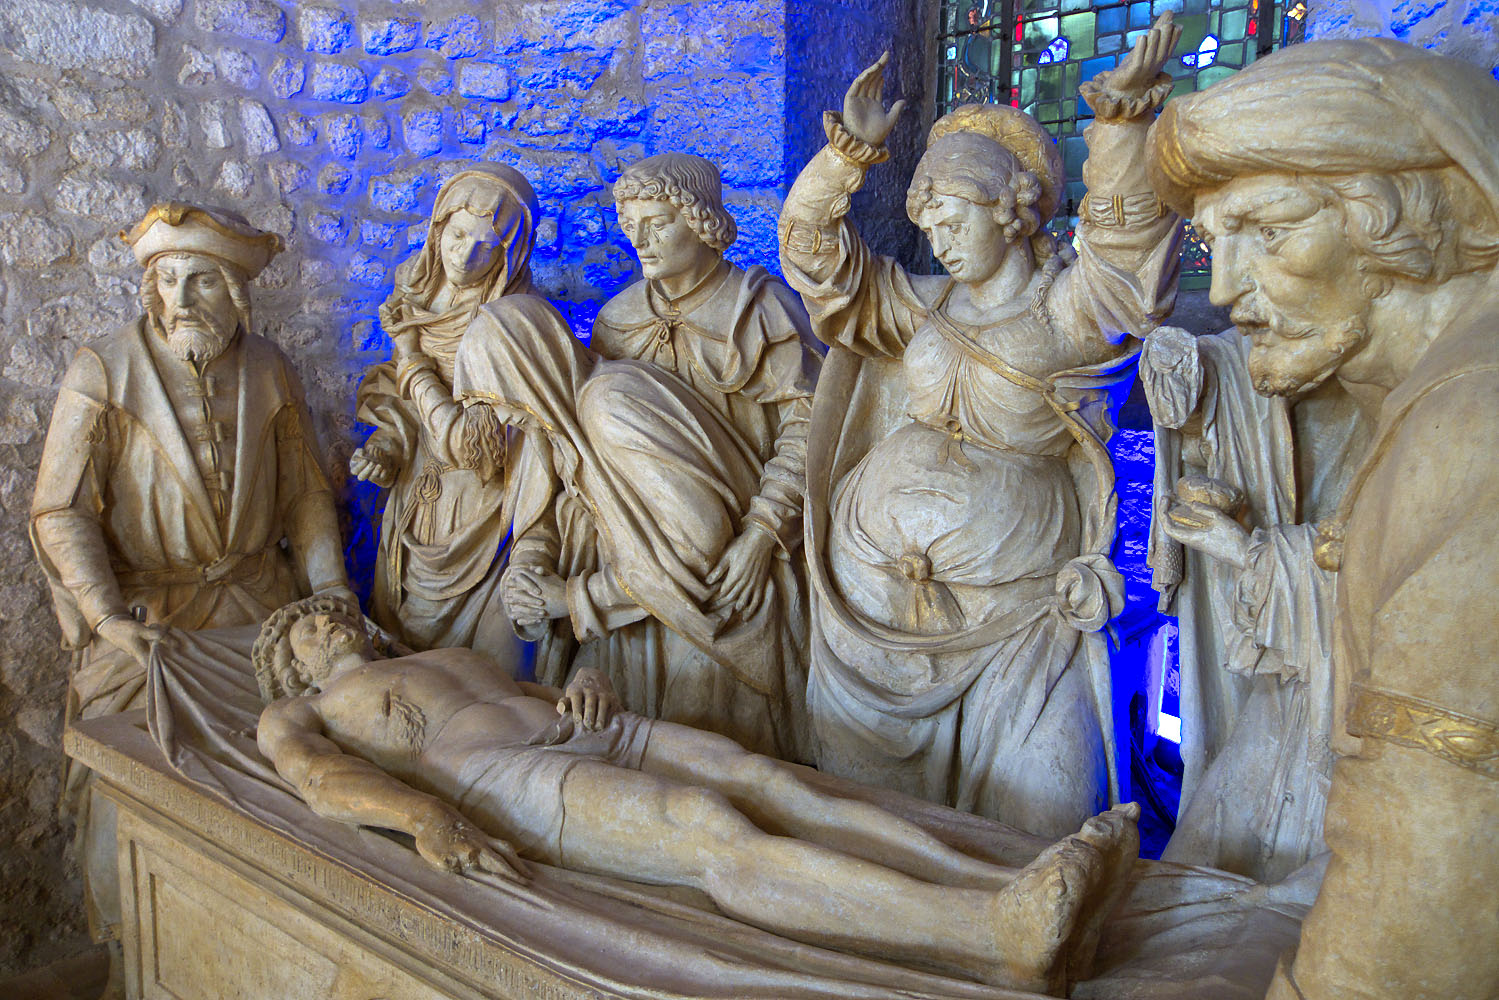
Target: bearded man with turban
(179, 457)
(1350, 192)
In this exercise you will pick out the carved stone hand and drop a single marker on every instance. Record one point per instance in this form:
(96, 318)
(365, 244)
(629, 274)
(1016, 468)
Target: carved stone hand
(375, 462)
(1208, 530)
(449, 841)
(533, 594)
(1171, 373)
(590, 698)
(864, 113)
(741, 572)
(1139, 70)
(135, 638)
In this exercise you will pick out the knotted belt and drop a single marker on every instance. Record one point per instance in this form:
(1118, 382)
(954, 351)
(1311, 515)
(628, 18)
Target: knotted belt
(232, 567)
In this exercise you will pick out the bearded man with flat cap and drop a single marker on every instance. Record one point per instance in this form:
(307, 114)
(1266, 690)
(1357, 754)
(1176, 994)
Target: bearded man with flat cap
(1365, 250)
(179, 457)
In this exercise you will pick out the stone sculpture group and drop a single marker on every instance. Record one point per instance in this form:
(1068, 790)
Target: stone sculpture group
(892, 562)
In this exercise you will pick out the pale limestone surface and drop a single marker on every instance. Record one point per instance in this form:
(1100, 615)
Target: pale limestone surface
(179, 458)
(961, 499)
(212, 838)
(481, 771)
(1364, 252)
(665, 550)
(444, 534)
(1255, 610)
(591, 84)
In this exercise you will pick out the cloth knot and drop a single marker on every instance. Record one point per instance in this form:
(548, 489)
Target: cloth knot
(952, 448)
(915, 566)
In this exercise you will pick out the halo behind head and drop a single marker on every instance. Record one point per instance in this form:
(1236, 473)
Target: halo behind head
(271, 655)
(1017, 132)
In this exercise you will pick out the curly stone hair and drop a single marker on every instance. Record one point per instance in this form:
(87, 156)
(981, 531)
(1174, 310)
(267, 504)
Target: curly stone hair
(691, 184)
(277, 671)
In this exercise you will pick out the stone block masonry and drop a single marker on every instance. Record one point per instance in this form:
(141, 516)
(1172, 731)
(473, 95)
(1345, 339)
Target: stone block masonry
(333, 123)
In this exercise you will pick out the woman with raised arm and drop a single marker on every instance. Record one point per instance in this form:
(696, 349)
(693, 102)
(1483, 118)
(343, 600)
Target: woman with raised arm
(960, 495)
(443, 538)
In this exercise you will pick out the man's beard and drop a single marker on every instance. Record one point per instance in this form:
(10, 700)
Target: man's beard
(1289, 364)
(197, 338)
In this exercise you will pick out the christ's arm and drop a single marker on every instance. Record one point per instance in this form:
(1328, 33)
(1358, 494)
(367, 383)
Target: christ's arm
(351, 789)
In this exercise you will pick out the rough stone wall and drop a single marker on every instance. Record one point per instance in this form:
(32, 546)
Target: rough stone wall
(332, 123)
(1464, 29)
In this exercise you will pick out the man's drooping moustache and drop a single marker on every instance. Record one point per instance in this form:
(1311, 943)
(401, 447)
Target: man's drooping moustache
(1288, 360)
(196, 336)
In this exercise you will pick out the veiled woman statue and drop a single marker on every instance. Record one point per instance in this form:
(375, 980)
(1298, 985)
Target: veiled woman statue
(960, 497)
(674, 447)
(443, 536)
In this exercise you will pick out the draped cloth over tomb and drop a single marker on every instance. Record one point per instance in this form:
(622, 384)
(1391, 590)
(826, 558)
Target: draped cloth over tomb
(1184, 933)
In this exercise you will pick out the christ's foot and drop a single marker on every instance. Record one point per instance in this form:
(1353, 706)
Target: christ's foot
(1037, 916)
(1117, 836)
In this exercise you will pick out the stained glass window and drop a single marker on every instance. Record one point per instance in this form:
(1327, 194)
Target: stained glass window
(1033, 54)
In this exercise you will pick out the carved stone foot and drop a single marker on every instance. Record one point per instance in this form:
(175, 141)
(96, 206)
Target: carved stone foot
(1117, 835)
(1037, 916)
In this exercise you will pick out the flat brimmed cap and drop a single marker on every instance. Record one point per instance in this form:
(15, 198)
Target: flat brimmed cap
(174, 227)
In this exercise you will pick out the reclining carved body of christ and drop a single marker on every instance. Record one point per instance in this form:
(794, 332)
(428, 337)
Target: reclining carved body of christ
(484, 771)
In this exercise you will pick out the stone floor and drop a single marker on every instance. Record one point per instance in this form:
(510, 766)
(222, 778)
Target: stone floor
(80, 978)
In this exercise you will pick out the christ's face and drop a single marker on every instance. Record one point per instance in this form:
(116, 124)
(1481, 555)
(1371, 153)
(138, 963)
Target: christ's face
(198, 315)
(327, 644)
(1284, 268)
(965, 237)
(468, 247)
(665, 244)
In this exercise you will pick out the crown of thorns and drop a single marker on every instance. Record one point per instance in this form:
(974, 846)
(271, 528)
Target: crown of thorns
(271, 655)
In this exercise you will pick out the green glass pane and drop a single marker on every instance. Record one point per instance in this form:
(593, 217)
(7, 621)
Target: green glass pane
(1027, 86)
(1213, 25)
(1082, 47)
(1235, 24)
(1231, 55)
(1194, 27)
(1039, 33)
(1074, 152)
(1073, 79)
(1190, 7)
(1183, 85)
(1077, 27)
(1212, 75)
(1049, 84)
(1068, 6)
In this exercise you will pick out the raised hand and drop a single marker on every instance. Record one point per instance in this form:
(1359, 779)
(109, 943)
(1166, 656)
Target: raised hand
(1137, 72)
(864, 113)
